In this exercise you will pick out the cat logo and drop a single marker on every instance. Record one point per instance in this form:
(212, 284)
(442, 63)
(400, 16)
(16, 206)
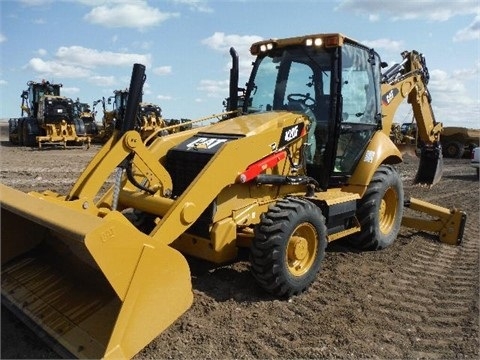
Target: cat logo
(204, 143)
(389, 96)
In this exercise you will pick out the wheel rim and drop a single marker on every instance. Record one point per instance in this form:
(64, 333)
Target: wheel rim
(301, 249)
(388, 211)
(452, 150)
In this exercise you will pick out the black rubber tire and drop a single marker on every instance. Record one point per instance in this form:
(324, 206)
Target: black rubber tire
(454, 149)
(80, 128)
(29, 136)
(288, 247)
(380, 211)
(12, 130)
(20, 131)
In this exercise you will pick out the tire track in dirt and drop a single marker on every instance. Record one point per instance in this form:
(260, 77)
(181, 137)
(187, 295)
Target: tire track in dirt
(434, 313)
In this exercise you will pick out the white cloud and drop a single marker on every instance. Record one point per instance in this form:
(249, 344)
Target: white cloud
(103, 81)
(195, 5)
(214, 88)
(41, 52)
(471, 32)
(164, 97)
(385, 44)
(91, 58)
(162, 70)
(133, 14)
(57, 69)
(3, 38)
(3, 82)
(221, 42)
(452, 100)
(433, 10)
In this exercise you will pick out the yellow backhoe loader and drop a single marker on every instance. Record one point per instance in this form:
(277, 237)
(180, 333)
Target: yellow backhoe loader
(306, 161)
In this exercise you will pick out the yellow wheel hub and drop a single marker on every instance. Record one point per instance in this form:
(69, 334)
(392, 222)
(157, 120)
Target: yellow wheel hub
(302, 249)
(388, 211)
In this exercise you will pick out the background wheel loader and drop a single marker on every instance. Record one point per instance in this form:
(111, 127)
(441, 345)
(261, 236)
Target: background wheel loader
(84, 119)
(46, 118)
(149, 121)
(308, 160)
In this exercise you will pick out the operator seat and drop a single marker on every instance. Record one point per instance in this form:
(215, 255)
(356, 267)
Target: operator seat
(299, 106)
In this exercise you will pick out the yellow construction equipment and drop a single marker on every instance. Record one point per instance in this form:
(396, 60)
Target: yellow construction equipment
(149, 121)
(47, 118)
(305, 161)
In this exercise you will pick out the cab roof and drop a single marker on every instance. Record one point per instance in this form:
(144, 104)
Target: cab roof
(325, 39)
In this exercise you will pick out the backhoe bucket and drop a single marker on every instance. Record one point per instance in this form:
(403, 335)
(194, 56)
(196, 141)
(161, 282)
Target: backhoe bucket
(97, 286)
(430, 168)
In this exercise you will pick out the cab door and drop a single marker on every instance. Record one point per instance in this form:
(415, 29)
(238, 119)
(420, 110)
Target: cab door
(360, 114)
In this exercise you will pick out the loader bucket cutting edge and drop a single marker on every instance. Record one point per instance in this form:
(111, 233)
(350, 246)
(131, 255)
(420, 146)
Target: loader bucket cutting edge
(430, 168)
(103, 293)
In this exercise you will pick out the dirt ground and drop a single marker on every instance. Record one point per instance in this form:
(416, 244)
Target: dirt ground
(418, 299)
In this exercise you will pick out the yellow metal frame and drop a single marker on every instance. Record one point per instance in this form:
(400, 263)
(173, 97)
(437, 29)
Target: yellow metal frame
(448, 223)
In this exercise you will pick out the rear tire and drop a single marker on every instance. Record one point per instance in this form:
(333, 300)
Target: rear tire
(380, 211)
(288, 247)
(454, 150)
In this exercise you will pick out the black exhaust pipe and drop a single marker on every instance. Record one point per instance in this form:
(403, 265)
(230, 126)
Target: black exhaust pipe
(233, 93)
(134, 98)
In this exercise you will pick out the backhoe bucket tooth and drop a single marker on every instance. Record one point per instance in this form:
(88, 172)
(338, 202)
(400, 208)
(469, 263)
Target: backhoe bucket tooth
(430, 168)
(97, 286)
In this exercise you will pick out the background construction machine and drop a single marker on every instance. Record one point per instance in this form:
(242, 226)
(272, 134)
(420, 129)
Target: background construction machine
(149, 121)
(306, 162)
(459, 141)
(46, 118)
(84, 119)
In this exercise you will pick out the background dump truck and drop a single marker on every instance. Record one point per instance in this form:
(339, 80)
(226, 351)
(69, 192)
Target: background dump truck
(46, 118)
(307, 161)
(459, 141)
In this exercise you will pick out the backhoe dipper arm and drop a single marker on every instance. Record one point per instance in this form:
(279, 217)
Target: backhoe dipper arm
(408, 80)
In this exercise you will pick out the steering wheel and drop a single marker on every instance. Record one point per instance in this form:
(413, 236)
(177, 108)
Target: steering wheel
(303, 98)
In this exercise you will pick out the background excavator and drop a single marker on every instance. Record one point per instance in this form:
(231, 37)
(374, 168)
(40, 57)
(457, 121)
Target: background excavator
(306, 160)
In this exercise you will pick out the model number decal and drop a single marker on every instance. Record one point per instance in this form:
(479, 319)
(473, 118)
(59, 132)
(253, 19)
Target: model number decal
(291, 133)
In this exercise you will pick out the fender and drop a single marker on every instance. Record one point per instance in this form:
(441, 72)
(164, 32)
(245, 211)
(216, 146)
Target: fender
(380, 150)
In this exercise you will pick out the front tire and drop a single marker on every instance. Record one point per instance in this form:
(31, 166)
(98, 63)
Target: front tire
(288, 247)
(380, 211)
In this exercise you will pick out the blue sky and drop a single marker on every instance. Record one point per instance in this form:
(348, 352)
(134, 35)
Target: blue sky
(90, 46)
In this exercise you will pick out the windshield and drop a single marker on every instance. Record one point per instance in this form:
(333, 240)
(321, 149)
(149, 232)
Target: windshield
(292, 74)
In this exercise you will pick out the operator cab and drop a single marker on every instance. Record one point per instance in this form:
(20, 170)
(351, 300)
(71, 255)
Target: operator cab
(336, 86)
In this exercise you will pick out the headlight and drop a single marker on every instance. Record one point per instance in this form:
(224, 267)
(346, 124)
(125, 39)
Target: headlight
(314, 42)
(266, 47)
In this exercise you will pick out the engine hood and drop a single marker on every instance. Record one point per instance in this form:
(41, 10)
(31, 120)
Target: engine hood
(252, 124)
(278, 128)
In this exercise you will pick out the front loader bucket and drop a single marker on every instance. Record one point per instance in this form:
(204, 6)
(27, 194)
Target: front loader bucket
(97, 286)
(430, 168)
